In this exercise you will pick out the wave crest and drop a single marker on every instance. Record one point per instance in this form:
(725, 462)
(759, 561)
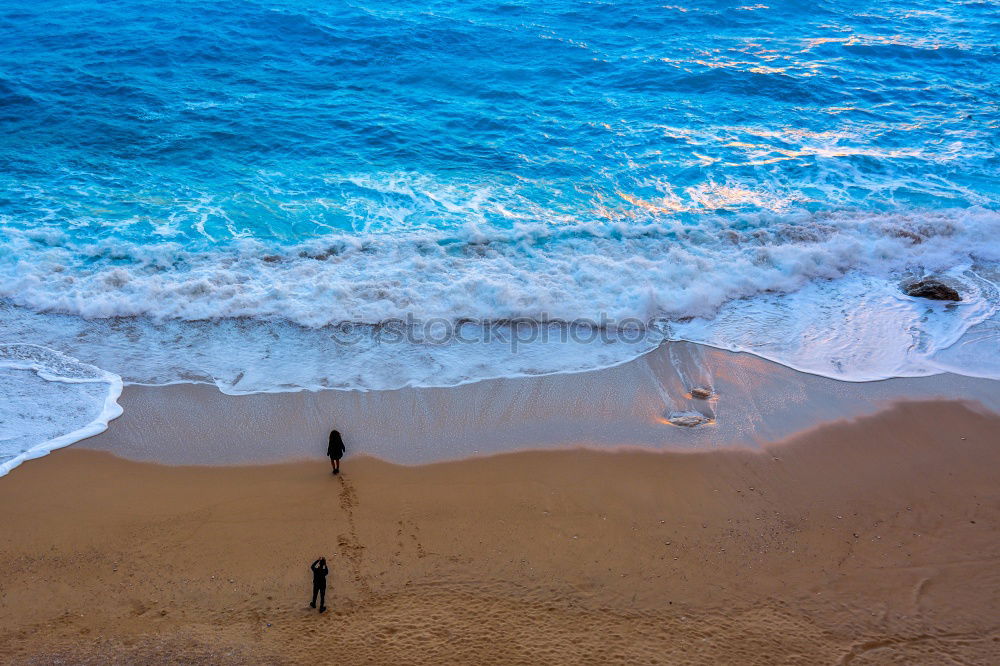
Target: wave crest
(637, 270)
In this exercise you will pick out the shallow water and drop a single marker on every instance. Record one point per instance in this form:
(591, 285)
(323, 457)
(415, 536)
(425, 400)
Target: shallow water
(250, 193)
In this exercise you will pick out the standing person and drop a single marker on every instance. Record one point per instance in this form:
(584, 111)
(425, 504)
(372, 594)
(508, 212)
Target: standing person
(335, 450)
(319, 571)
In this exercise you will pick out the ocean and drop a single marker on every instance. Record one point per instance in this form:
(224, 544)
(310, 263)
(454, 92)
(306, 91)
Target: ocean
(284, 196)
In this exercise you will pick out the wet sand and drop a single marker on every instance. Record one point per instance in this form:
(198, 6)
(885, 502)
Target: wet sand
(866, 541)
(753, 402)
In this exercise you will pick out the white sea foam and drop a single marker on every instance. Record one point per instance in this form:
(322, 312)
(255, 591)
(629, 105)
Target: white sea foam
(816, 292)
(50, 400)
(660, 268)
(859, 328)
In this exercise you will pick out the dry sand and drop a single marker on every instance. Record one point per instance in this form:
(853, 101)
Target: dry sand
(873, 541)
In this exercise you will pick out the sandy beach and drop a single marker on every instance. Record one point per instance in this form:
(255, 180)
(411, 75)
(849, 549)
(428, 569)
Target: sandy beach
(866, 541)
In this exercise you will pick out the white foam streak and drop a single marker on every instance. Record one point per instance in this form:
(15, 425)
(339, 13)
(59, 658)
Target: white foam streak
(816, 292)
(858, 328)
(51, 400)
(531, 270)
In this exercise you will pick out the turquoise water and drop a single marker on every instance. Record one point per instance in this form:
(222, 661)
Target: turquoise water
(203, 123)
(211, 191)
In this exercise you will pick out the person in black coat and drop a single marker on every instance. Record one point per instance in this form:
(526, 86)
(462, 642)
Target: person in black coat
(319, 571)
(335, 450)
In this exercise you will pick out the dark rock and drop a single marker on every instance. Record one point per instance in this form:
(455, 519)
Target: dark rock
(931, 289)
(701, 393)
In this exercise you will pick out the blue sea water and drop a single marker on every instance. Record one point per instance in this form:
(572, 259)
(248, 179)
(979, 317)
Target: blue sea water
(218, 191)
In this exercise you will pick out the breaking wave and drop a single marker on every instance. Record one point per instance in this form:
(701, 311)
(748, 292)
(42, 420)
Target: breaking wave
(819, 292)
